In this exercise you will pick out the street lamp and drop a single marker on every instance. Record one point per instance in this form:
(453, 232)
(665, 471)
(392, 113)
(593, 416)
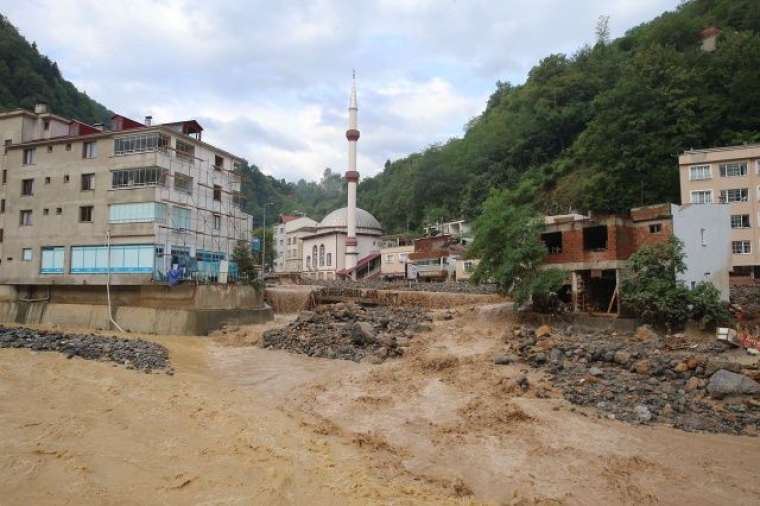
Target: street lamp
(264, 240)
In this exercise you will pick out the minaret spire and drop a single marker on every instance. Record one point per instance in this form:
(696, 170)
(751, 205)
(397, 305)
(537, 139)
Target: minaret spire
(352, 178)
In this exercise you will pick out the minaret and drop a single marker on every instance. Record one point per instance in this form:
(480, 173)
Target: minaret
(352, 178)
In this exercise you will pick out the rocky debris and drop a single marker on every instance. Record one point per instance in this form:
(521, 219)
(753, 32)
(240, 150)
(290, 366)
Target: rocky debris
(505, 359)
(745, 302)
(136, 354)
(350, 332)
(657, 379)
(422, 286)
(724, 383)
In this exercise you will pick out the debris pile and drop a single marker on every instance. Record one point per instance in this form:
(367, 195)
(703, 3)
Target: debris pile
(745, 302)
(133, 353)
(645, 377)
(350, 332)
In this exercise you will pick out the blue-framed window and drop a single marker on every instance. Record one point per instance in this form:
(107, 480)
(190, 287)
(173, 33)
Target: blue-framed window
(124, 259)
(136, 212)
(52, 260)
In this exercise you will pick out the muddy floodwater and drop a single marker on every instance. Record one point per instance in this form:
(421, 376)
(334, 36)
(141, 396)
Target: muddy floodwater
(237, 424)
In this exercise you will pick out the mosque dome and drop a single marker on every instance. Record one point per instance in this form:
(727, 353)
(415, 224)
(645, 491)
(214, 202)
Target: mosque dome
(365, 222)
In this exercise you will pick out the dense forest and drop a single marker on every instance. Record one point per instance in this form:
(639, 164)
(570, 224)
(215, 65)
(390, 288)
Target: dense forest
(597, 130)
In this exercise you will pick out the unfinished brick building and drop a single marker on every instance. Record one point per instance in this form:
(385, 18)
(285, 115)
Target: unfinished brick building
(594, 250)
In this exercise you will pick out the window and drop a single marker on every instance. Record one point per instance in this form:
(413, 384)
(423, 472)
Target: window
(45, 211)
(185, 151)
(46, 124)
(308, 261)
(321, 255)
(25, 218)
(5, 176)
(137, 212)
(66, 178)
(47, 180)
(701, 197)
(27, 186)
(740, 221)
(595, 238)
(217, 222)
(655, 228)
(2, 206)
(699, 173)
(553, 242)
(89, 150)
(50, 148)
(733, 169)
(469, 266)
(218, 162)
(329, 259)
(217, 193)
(26, 254)
(741, 247)
(51, 260)
(390, 258)
(314, 256)
(1, 235)
(28, 156)
(181, 218)
(183, 183)
(403, 257)
(68, 147)
(143, 176)
(140, 143)
(129, 259)
(88, 182)
(85, 213)
(59, 210)
(735, 195)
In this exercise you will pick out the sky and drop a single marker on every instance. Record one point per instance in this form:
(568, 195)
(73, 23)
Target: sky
(270, 80)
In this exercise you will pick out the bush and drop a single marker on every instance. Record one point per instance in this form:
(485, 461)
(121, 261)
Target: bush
(706, 306)
(652, 292)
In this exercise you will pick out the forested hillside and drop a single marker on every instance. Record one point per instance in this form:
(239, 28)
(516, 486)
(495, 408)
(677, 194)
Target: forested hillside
(26, 77)
(597, 130)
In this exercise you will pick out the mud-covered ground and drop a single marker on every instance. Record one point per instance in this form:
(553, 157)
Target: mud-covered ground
(239, 424)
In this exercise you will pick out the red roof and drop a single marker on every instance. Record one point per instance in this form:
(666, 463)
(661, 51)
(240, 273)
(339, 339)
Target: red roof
(284, 218)
(119, 122)
(361, 263)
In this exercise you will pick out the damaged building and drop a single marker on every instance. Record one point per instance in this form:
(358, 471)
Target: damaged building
(594, 249)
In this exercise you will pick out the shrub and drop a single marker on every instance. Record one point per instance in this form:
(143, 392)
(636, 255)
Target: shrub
(706, 306)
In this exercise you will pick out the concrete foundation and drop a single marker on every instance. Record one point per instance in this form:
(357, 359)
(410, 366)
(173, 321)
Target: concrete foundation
(182, 310)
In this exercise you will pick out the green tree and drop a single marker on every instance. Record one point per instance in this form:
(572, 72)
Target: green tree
(508, 244)
(241, 255)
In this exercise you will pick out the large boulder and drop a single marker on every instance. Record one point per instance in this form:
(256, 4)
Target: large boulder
(724, 383)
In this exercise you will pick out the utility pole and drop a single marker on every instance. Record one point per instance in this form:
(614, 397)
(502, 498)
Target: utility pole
(264, 241)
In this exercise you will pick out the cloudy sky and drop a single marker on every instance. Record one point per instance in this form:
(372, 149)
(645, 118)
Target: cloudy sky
(269, 80)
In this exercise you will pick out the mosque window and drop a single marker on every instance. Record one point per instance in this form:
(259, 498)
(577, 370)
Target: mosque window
(329, 259)
(314, 256)
(321, 255)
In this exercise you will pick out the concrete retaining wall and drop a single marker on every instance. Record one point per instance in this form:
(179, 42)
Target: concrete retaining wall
(185, 310)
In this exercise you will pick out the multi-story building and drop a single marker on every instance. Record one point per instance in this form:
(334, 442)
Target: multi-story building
(460, 230)
(394, 254)
(729, 176)
(288, 239)
(594, 250)
(79, 201)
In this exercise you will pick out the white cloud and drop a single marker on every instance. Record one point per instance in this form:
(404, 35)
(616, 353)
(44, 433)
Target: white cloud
(270, 80)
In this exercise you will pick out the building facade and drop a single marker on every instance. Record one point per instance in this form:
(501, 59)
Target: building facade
(594, 250)
(288, 237)
(729, 176)
(81, 201)
(394, 256)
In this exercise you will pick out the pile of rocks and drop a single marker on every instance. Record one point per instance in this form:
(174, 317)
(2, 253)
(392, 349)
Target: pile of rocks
(134, 353)
(421, 286)
(745, 301)
(645, 377)
(350, 332)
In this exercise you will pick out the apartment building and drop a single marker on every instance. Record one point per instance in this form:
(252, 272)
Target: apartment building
(730, 176)
(394, 256)
(131, 200)
(288, 239)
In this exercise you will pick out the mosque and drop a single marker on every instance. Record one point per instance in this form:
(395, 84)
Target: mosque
(346, 243)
